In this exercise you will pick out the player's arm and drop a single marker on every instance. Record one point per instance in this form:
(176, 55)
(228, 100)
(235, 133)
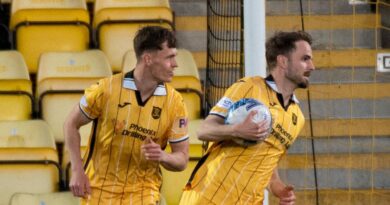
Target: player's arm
(175, 161)
(213, 128)
(284, 192)
(79, 183)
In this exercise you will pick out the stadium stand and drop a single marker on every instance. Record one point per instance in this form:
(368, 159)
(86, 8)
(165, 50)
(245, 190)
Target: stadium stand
(44, 26)
(116, 23)
(56, 198)
(28, 158)
(16, 99)
(61, 80)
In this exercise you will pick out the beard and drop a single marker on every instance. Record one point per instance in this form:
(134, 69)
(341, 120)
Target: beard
(303, 85)
(300, 81)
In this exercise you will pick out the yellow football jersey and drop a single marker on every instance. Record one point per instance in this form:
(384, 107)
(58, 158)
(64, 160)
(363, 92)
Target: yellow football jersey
(118, 172)
(232, 174)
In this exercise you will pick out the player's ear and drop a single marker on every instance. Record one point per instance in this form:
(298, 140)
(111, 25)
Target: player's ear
(282, 61)
(147, 58)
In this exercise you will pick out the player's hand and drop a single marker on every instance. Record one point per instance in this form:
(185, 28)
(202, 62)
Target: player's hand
(250, 130)
(152, 151)
(79, 184)
(287, 196)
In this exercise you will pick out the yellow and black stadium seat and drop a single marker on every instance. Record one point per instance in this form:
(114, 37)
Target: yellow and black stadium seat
(116, 23)
(61, 80)
(46, 25)
(15, 87)
(186, 80)
(28, 158)
(56, 198)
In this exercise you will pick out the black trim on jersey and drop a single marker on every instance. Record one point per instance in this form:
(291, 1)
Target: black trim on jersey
(139, 98)
(198, 165)
(184, 139)
(216, 114)
(130, 74)
(85, 114)
(91, 144)
(279, 95)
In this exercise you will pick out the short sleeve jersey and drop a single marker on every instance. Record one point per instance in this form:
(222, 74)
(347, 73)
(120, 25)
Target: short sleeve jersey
(114, 162)
(232, 174)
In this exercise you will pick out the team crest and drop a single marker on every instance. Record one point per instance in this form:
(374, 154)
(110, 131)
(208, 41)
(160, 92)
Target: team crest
(156, 112)
(294, 119)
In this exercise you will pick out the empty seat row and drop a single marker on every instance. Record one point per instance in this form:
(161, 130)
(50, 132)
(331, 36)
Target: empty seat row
(30, 164)
(44, 26)
(28, 158)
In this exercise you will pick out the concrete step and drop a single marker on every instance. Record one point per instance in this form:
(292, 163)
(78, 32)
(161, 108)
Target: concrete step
(340, 197)
(356, 161)
(323, 59)
(356, 90)
(336, 171)
(329, 32)
(333, 178)
(348, 75)
(348, 108)
(341, 145)
(347, 127)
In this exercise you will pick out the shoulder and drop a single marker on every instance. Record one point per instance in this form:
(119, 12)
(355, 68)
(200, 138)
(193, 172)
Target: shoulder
(252, 80)
(171, 91)
(248, 83)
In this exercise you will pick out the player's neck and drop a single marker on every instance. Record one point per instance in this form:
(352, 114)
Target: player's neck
(285, 87)
(145, 83)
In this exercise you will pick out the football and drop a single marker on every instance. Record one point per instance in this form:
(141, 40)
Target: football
(241, 109)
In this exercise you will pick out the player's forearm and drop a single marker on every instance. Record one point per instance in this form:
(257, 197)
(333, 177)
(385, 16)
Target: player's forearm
(213, 129)
(276, 185)
(72, 142)
(176, 161)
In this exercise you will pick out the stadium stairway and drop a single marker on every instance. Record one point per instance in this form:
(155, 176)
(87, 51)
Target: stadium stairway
(349, 103)
(349, 99)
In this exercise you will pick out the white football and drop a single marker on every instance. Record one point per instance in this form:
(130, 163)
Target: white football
(241, 109)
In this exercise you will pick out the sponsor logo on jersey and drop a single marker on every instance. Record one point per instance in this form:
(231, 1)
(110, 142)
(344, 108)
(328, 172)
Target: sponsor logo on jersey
(183, 123)
(225, 103)
(294, 119)
(118, 125)
(138, 132)
(156, 112)
(282, 135)
(124, 104)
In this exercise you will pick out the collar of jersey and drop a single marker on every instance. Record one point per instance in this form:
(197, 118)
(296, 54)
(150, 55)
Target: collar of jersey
(128, 82)
(271, 83)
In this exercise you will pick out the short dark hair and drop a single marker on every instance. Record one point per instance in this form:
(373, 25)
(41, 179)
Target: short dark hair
(151, 38)
(283, 43)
